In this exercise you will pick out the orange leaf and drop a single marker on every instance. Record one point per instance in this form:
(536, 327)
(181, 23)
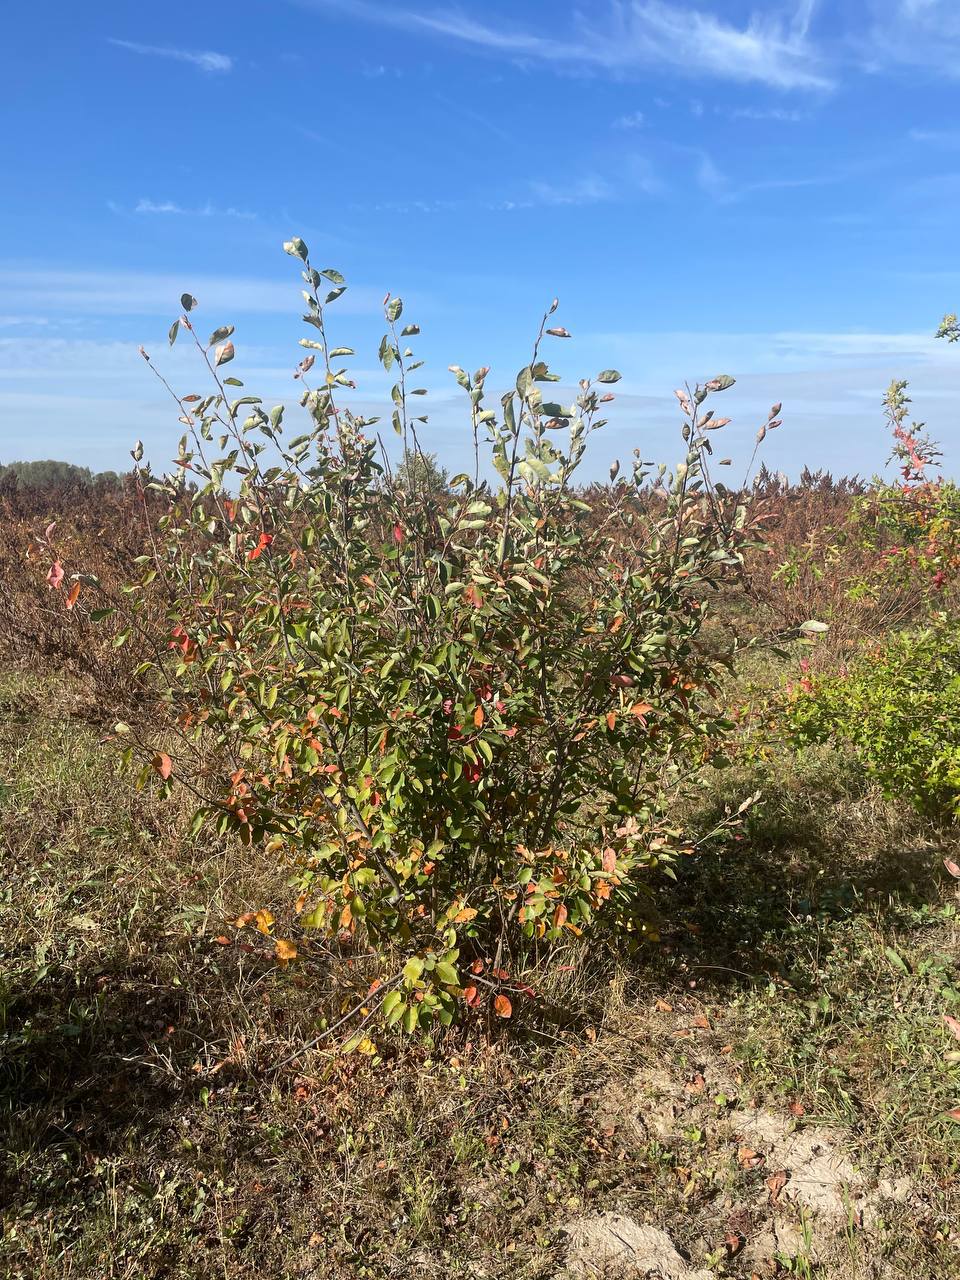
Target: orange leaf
(952, 867)
(478, 717)
(503, 1006)
(954, 1114)
(611, 719)
(264, 919)
(471, 995)
(262, 543)
(775, 1184)
(609, 861)
(163, 764)
(285, 951)
(55, 576)
(640, 709)
(73, 595)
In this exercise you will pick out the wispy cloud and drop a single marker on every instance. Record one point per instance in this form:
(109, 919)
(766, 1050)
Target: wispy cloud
(936, 137)
(720, 186)
(632, 120)
(591, 189)
(782, 114)
(911, 33)
(203, 211)
(204, 61)
(131, 293)
(629, 36)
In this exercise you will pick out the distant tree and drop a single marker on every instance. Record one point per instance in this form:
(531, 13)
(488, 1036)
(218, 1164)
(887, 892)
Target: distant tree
(50, 473)
(421, 472)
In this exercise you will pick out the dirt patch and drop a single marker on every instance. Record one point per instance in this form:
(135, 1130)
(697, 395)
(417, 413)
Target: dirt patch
(793, 1185)
(613, 1247)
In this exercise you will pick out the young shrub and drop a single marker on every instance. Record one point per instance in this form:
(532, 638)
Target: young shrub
(899, 707)
(457, 709)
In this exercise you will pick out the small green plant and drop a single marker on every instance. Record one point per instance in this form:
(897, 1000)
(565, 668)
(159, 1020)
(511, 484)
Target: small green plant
(458, 710)
(898, 705)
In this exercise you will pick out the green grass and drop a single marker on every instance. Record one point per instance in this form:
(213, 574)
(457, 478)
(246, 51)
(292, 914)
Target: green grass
(147, 1132)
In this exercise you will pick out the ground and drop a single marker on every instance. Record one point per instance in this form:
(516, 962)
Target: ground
(765, 1091)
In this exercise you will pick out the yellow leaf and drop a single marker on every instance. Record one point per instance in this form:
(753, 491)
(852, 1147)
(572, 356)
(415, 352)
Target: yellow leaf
(264, 919)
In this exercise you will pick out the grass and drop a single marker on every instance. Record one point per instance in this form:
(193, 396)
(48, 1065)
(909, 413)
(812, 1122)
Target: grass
(147, 1132)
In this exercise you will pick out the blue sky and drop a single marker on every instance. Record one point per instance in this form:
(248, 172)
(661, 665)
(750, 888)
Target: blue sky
(764, 190)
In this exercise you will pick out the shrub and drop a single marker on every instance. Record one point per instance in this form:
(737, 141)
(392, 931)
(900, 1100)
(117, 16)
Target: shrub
(457, 710)
(899, 707)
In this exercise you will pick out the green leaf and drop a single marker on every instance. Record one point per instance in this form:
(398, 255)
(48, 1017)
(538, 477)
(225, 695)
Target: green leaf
(413, 970)
(218, 335)
(187, 301)
(296, 248)
(447, 973)
(609, 375)
(174, 330)
(896, 960)
(721, 382)
(394, 309)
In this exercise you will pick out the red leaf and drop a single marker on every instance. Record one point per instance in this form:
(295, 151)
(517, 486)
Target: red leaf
(73, 596)
(398, 533)
(952, 867)
(503, 1006)
(609, 861)
(953, 1024)
(471, 995)
(163, 764)
(55, 576)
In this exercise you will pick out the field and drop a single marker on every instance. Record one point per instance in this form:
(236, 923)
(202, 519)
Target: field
(764, 1088)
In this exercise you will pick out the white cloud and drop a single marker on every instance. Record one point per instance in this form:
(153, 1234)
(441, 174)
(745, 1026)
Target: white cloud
(205, 61)
(629, 36)
(632, 120)
(205, 211)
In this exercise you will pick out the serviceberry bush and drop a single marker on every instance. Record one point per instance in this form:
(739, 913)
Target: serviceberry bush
(458, 708)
